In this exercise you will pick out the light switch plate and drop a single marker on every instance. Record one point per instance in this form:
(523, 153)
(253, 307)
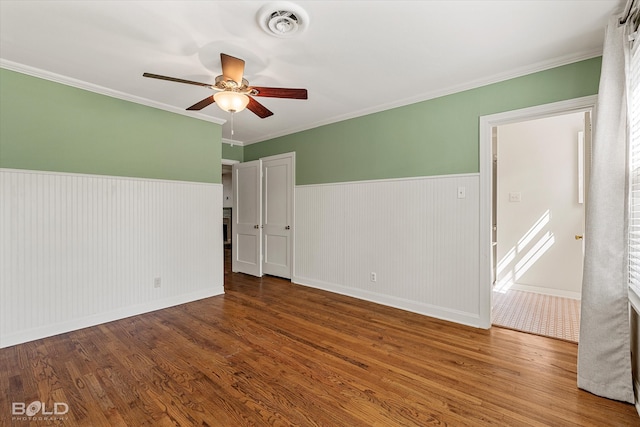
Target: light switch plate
(515, 197)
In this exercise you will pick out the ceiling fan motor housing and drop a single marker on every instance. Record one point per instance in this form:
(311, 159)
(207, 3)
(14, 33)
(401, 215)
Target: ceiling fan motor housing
(227, 84)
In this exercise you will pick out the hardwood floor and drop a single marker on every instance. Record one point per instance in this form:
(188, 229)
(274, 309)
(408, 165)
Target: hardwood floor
(272, 353)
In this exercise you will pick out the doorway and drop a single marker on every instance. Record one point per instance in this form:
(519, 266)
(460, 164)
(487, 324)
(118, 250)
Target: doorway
(227, 205)
(488, 125)
(538, 211)
(539, 205)
(263, 216)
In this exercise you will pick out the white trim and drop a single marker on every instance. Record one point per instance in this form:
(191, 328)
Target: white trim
(58, 78)
(546, 291)
(496, 78)
(93, 175)
(408, 178)
(291, 154)
(229, 162)
(436, 274)
(581, 167)
(486, 161)
(73, 325)
(468, 319)
(233, 142)
(103, 213)
(519, 72)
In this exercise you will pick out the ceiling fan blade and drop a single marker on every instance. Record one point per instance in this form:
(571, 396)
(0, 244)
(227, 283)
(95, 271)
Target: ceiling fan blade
(280, 92)
(174, 79)
(259, 109)
(200, 105)
(232, 68)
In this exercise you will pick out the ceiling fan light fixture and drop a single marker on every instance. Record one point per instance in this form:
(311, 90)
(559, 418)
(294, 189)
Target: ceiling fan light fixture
(231, 102)
(282, 19)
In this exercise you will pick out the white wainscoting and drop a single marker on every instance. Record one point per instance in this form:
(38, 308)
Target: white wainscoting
(416, 234)
(79, 250)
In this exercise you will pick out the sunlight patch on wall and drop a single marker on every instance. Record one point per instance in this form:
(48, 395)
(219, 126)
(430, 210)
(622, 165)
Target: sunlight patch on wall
(508, 271)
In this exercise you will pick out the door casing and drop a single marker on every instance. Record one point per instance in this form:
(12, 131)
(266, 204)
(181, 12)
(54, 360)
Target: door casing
(487, 123)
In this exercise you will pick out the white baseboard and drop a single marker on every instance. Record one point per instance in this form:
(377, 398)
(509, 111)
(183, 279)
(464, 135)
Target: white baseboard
(469, 319)
(75, 324)
(546, 291)
(416, 236)
(86, 249)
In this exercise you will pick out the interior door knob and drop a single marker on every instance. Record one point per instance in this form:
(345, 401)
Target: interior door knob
(287, 228)
(579, 236)
(256, 226)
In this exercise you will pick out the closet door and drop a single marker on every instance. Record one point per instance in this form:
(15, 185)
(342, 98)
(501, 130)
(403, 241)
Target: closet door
(278, 182)
(247, 218)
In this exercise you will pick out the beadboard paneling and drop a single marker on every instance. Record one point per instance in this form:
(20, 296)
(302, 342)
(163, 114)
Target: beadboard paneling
(78, 250)
(420, 239)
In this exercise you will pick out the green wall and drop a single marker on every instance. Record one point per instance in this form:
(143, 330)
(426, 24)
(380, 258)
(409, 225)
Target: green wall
(434, 137)
(232, 153)
(53, 127)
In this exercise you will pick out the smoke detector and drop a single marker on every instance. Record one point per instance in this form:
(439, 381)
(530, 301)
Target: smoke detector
(283, 19)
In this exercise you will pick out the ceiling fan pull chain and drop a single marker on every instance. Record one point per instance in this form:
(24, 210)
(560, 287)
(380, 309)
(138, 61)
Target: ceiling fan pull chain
(232, 128)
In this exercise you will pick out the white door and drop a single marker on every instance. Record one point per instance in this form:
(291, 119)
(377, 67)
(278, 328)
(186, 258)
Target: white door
(278, 214)
(247, 218)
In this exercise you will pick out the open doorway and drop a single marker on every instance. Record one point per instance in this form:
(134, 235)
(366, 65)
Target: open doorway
(534, 241)
(538, 212)
(227, 206)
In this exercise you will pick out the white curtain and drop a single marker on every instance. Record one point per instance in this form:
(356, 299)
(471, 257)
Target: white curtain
(604, 361)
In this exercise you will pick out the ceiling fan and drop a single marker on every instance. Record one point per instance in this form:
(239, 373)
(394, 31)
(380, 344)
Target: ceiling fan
(233, 93)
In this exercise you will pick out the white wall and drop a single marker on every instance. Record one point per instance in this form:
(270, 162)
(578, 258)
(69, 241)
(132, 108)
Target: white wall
(537, 250)
(420, 239)
(79, 250)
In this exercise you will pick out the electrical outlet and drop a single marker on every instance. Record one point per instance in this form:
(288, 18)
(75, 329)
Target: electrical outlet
(157, 282)
(373, 277)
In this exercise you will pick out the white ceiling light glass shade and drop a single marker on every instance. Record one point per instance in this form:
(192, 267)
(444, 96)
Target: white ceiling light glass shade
(232, 102)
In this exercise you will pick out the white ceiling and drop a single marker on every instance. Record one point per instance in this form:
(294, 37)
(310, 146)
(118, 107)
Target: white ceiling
(355, 57)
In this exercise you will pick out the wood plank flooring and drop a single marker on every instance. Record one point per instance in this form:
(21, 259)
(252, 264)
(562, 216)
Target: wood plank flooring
(271, 353)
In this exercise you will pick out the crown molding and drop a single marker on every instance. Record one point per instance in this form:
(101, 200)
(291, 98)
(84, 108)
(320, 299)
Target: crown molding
(68, 81)
(233, 142)
(496, 78)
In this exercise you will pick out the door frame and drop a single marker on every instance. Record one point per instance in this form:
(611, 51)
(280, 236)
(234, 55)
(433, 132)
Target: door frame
(228, 162)
(487, 123)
